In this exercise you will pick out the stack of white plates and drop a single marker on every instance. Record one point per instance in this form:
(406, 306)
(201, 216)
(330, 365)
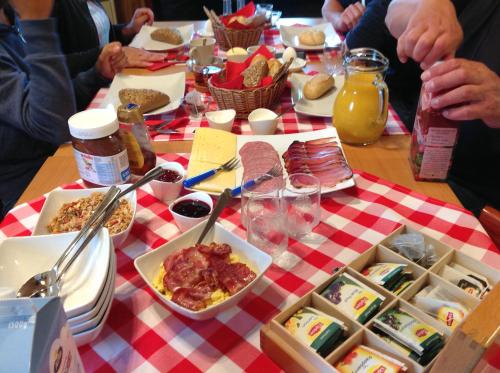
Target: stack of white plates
(88, 286)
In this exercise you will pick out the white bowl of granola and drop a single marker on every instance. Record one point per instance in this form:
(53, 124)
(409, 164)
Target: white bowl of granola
(66, 210)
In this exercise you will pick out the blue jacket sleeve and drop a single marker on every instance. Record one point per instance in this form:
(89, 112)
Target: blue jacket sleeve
(38, 103)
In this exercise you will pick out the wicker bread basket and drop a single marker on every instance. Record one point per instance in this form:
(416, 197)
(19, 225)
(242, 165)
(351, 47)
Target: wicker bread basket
(237, 38)
(244, 101)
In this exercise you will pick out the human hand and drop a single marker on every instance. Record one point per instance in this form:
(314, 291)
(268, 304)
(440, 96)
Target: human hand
(32, 9)
(112, 60)
(433, 33)
(140, 58)
(464, 90)
(141, 17)
(350, 17)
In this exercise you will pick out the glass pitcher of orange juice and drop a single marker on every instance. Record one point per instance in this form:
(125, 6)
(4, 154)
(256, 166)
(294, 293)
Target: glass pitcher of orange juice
(360, 109)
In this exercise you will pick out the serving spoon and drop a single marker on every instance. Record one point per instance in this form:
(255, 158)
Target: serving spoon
(224, 198)
(48, 283)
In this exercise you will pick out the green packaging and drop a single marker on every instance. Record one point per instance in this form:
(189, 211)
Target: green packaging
(353, 298)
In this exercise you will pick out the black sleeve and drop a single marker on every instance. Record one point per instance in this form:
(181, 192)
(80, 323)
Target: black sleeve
(82, 61)
(371, 31)
(86, 84)
(117, 35)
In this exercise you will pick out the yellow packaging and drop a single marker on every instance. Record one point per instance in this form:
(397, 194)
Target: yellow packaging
(366, 360)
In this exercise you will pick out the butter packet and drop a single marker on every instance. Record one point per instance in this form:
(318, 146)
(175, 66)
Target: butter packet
(316, 329)
(364, 359)
(410, 331)
(353, 298)
(383, 273)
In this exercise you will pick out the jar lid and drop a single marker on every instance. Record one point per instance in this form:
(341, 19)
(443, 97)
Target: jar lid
(93, 124)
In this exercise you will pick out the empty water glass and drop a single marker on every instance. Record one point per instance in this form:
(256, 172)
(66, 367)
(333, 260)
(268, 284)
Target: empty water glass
(240, 4)
(275, 17)
(333, 58)
(263, 215)
(302, 204)
(227, 7)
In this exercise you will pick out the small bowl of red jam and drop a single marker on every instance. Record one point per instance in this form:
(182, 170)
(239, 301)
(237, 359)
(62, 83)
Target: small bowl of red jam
(191, 209)
(168, 185)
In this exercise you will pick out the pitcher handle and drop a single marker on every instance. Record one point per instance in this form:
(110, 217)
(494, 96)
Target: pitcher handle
(383, 100)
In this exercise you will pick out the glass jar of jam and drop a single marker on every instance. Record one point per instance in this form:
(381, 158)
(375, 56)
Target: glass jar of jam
(100, 154)
(135, 136)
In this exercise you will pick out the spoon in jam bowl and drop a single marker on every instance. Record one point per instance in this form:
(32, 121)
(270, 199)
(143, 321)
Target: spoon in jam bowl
(224, 198)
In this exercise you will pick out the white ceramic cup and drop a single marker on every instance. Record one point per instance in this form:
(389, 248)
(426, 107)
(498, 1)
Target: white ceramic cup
(202, 54)
(263, 121)
(185, 222)
(167, 192)
(221, 119)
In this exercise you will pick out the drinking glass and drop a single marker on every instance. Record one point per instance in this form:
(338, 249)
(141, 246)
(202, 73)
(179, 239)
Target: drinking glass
(263, 215)
(302, 204)
(275, 17)
(333, 58)
(227, 7)
(240, 4)
(266, 9)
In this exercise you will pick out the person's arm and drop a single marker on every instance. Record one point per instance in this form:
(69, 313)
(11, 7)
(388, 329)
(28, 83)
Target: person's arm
(41, 103)
(427, 30)
(342, 19)
(371, 31)
(126, 32)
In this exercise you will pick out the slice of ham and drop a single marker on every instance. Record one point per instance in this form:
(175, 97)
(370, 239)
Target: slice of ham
(321, 157)
(193, 298)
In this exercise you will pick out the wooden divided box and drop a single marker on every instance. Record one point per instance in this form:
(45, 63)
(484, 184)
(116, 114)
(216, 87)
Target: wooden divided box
(294, 356)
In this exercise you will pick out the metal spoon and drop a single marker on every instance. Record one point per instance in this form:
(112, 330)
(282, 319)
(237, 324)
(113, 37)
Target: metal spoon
(46, 282)
(224, 198)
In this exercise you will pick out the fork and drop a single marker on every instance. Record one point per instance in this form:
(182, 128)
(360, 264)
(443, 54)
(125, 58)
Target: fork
(275, 171)
(228, 166)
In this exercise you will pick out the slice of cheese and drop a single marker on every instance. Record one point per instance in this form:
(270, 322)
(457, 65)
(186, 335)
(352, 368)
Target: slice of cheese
(212, 148)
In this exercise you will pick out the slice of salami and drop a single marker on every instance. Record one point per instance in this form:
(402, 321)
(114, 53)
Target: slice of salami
(235, 277)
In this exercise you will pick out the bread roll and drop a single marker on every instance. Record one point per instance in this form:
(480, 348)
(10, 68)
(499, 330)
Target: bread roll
(318, 86)
(147, 99)
(274, 66)
(312, 37)
(167, 35)
(257, 58)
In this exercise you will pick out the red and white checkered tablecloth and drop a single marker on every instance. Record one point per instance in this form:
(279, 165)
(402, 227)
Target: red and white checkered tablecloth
(143, 335)
(290, 122)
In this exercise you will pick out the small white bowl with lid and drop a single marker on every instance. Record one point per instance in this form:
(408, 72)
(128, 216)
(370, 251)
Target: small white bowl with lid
(263, 121)
(221, 119)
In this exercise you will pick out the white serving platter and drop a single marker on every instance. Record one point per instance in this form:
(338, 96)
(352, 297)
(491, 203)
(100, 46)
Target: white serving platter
(281, 143)
(173, 85)
(143, 38)
(290, 36)
(323, 106)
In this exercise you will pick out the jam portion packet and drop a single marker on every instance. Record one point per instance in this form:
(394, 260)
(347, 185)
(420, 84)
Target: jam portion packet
(364, 359)
(410, 331)
(353, 298)
(316, 329)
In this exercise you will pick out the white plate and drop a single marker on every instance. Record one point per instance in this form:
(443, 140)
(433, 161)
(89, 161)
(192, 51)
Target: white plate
(108, 297)
(290, 36)
(148, 266)
(297, 64)
(58, 197)
(281, 143)
(172, 84)
(108, 287)
(143, 38)
(323, 106)
(23, 257)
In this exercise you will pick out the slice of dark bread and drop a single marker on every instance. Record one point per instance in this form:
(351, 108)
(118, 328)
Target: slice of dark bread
(147, 99)
(167, 35)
